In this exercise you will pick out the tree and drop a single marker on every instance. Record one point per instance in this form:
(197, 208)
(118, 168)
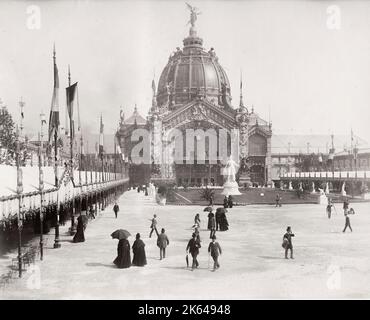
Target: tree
(7, 133)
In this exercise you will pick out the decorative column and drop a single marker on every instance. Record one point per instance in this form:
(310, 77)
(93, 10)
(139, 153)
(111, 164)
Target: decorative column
(268, 160)
(243, 124)
(156, 147)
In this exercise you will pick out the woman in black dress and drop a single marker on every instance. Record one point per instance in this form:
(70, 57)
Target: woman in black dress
(80, 235)
(123, 259)
(138, 249)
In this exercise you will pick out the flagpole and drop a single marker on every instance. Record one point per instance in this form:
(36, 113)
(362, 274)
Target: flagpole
(19, 193)
(56, 240)
(73, 226)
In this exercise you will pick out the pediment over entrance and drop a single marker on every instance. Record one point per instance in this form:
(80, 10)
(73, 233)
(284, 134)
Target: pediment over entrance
(199, 111)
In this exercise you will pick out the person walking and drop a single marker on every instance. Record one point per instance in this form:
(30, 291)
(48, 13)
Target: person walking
(211, 224)
(278, 201)
(193, 248)
(328, 208)
(115, 209)
(196, 221)
(81, 226)
(215, 251)
(123, 259)
(153, 226)
(230, 202)
(226, 202)
(224, 224)
(138, 250)
(287, 242)
(218, 219)
(348, 222)
(345, 205)
(162, 243)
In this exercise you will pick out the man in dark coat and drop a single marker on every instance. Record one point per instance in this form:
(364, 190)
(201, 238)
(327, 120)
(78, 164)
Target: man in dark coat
(193, 248)
(116, 209)
(345, 206)
(80, 236)
(218, 219)
(162, 243)
(211, 224)
(226, 202)
(287, 242)
(215, 251)
(138, 249)
(230, 201)
(123, 259)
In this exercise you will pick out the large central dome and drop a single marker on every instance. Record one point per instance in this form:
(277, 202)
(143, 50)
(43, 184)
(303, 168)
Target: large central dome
(193, 72)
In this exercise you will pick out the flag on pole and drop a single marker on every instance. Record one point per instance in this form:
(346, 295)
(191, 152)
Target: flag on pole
(54, 112)
(101, 137)
(71, 99)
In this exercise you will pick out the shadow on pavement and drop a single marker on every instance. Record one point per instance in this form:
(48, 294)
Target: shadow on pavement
(97, 264)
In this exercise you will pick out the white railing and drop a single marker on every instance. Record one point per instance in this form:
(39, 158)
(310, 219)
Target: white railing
(329, 174)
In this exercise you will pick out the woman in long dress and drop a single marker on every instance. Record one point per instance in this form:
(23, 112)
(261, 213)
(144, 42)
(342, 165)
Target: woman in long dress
(123, 259)
(80, 235)
(138, 249)
(224, 224)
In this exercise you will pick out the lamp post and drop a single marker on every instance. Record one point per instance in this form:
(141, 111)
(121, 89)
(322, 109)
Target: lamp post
(41, 187)
(19, 193)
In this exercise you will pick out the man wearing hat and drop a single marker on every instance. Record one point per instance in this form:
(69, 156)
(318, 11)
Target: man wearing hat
(287, 242)
(214, 250)
(193, 248)
(153, 226)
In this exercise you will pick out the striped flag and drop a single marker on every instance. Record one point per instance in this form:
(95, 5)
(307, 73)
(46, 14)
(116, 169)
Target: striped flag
(71, 99)
(101, 137)
(54, 112)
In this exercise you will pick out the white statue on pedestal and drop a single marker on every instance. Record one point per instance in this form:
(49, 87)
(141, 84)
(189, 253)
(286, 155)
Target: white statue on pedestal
(230, 186)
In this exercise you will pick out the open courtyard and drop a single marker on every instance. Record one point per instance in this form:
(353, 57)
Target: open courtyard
(328, 264)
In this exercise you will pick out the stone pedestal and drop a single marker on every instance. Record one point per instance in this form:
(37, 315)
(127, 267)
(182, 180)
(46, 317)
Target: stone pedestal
(230, 189)
(245, 181)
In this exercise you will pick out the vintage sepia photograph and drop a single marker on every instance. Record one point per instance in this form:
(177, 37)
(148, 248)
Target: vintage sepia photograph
(184, 150)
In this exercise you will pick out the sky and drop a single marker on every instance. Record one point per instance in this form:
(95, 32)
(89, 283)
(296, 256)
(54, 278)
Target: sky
(305, 64)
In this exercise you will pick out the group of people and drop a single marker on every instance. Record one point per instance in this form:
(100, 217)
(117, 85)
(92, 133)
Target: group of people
(228, 202)
(346, 210)
(123, 259)
(287, 238)
(214, 248)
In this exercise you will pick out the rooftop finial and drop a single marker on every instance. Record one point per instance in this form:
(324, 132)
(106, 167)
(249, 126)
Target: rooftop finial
(241, 104)
(194, 12)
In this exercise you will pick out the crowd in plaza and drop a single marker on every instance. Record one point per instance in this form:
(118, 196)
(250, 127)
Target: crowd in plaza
(216, 222)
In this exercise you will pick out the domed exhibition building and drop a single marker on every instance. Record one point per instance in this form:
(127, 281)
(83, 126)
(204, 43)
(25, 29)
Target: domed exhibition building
(193, 100)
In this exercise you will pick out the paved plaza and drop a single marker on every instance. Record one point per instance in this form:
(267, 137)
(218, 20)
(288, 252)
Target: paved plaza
(328, 263)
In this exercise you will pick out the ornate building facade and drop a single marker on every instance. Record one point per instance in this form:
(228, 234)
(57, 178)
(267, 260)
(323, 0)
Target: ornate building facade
(191, 114)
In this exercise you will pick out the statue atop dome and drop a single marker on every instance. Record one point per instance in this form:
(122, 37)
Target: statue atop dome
(194, 12)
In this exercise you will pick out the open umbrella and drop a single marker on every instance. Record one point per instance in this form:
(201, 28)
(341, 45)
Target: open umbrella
(208, 209)
(120, 234)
